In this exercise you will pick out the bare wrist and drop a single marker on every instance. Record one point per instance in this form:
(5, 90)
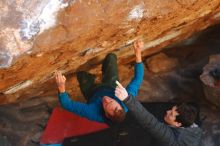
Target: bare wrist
(61, 89)
(138, 59)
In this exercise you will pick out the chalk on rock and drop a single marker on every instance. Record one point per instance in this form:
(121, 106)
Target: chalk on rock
(5, 60)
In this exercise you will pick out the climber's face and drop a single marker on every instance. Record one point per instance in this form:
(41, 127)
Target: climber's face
(110, 106)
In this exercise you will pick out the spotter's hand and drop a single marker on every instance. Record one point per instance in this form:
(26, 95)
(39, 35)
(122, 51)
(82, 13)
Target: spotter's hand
(120, 92)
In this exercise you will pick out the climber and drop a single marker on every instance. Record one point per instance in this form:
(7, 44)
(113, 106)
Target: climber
(180, 128)
(102, 105)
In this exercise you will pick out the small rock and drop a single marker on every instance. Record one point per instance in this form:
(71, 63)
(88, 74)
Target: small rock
(161, 63)
(211, 80)
(36, 137)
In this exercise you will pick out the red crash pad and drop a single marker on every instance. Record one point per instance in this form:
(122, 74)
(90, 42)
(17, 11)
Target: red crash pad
(64, 124)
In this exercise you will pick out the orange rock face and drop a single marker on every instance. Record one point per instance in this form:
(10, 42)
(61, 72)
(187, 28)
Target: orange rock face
(80, 33)
(161, 63)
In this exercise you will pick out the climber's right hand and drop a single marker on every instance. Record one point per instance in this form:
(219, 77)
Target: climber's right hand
(138, 47)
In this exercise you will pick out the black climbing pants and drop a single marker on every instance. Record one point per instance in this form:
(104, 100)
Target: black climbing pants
(109, 76)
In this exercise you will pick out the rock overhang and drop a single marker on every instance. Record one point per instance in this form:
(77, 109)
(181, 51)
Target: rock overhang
(42, 37)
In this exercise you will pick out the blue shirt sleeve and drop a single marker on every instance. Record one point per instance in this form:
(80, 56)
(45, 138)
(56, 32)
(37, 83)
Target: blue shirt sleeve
(90, 111)
(136, 81)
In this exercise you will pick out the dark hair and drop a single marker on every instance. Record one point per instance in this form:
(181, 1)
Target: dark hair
(187, 114)
(119, 116)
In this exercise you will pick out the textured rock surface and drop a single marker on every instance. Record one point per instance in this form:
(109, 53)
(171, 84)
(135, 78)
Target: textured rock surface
(21, 124)
(210, 79)
(39, 37)
(161, 63)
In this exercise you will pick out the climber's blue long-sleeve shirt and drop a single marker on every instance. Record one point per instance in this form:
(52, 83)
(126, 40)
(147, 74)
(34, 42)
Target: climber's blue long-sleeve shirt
(93, 110)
